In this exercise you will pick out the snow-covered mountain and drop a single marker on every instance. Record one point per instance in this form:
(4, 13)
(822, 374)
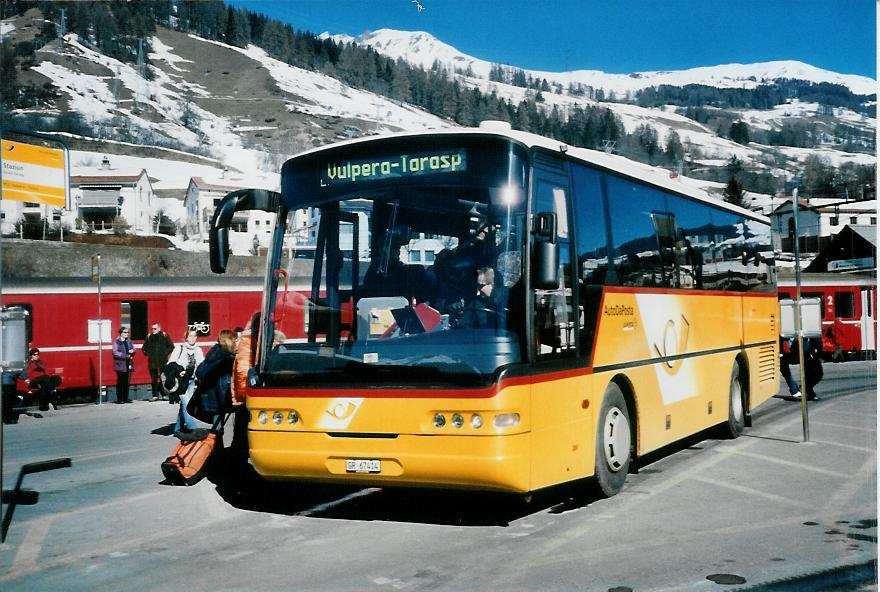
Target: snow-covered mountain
(423, 49)
(234, 113)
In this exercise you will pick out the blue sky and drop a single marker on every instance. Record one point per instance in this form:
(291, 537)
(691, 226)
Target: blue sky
(616, 36)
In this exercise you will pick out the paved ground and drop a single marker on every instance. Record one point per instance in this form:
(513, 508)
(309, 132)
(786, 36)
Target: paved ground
(763, 512)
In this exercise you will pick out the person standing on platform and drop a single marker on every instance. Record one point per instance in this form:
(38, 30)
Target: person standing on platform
(188, 356)
(157, 347)
(123, 365)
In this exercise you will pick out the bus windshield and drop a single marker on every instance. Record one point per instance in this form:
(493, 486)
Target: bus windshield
(409, 282)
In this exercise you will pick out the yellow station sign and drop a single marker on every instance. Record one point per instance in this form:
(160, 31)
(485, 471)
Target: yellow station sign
(33, 173)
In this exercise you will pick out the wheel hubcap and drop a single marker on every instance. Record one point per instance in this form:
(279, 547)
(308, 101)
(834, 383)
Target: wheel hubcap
(616, 439)
(736, 403)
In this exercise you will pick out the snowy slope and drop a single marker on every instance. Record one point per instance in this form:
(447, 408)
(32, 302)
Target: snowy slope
(312, 94)
(422, 49)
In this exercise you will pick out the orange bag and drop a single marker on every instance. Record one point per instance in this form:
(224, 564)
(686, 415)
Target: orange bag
(189, 460)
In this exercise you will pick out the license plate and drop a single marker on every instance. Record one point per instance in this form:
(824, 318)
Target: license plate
(360, 465)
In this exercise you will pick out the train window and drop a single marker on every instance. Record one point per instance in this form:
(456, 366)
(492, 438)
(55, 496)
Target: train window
(133, 314)
(844, 305)
(29, 321)
(198, 316)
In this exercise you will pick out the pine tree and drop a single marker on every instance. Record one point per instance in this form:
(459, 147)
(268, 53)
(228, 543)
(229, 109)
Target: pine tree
(674, 148)
(237, 28)
(400, 82)
(734, 193)
(739, 132)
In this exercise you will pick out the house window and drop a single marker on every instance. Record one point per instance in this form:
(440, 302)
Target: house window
(834, 221)
(874, 220)
(853, 219)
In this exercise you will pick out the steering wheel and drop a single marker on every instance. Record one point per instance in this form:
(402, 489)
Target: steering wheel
(473, 310)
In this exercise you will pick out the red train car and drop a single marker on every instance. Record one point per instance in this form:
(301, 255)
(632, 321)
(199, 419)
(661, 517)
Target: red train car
(60, 311)
(849, 303)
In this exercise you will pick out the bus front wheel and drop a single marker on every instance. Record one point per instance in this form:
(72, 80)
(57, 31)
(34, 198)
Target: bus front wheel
(613, 442)
(736, 417)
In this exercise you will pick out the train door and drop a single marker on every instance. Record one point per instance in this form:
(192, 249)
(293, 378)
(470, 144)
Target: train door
(867, 321)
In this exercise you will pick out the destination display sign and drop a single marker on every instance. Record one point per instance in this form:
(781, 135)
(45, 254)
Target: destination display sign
(394, 167)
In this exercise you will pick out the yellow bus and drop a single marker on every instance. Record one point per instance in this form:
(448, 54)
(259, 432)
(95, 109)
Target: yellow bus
(491, 309)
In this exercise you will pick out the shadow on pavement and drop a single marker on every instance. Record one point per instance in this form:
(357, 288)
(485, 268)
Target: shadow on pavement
(244, 489)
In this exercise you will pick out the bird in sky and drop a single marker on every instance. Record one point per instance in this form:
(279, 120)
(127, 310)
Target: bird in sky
(418, 5)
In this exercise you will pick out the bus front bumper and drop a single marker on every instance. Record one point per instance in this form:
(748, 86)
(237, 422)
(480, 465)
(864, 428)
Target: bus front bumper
(495, 463)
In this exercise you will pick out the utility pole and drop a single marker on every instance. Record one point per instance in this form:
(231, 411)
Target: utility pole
(798, 325)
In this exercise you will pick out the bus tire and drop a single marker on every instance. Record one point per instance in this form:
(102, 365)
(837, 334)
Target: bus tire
(736, 406)
(613, 442)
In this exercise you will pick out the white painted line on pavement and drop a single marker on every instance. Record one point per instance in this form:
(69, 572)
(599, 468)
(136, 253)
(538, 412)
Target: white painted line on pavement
(866, 476)
(754, 492)
(847, 446)
(343, 500)
(847, 426)
(31, 545)
(789, 463)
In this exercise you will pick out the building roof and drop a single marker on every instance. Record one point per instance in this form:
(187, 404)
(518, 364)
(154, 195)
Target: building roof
(118, 178)
(831, 207)
(200, 183)
(866, 231)
(855, 245)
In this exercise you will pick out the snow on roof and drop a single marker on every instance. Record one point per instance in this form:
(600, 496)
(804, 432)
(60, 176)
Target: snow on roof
(118, 178)
(866, 231)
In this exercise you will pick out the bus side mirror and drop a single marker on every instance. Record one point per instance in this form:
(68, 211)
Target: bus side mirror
(242, 200)
(219, 243)
(545, 252)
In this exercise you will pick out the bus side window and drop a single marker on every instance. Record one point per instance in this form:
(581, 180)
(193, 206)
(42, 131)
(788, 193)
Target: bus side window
(554, 313)
(591, 238)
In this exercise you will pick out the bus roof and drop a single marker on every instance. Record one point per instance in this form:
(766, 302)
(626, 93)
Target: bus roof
(651, 175)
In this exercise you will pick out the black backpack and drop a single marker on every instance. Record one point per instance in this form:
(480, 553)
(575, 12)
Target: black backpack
(173, 379)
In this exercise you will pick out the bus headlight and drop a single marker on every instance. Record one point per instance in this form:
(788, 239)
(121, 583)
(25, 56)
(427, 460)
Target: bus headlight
(293, 417)
(506, 420)
(476, 421)
(439, 420)
(457, 420)
(262, 417)
(277, 418)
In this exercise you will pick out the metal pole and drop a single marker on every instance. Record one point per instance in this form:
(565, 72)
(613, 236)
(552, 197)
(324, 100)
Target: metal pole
(100, 336)
(797, 318)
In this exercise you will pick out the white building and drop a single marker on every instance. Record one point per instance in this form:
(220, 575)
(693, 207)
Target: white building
(818, 221)
(203, 197)
(99, 198)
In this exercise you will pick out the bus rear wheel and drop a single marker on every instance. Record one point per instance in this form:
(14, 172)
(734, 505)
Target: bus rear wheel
(736, 416)
(613, 442)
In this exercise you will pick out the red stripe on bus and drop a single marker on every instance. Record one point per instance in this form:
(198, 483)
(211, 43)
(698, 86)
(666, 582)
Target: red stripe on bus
(683, 292)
